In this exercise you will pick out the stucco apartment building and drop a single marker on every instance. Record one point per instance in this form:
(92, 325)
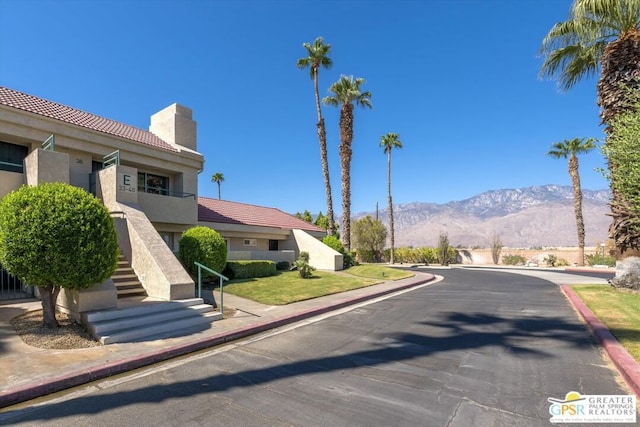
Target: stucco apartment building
(149, 182)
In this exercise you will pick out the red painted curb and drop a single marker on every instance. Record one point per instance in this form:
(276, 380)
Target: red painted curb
(55, 384)
(623, 361)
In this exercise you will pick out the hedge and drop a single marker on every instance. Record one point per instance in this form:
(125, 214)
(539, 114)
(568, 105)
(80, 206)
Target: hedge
(249, 269)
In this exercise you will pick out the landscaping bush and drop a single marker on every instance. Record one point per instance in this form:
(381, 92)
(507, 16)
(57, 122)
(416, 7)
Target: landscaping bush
(302, 265)
(283, 266)
(249, 269)
(203, 245)
(551, 260)
(417, 255)
(304, 269)
(562, 262)
(334, 243)
(443, 249)
(510, 259)
(348, 259)
(56, 236)
(599, 259)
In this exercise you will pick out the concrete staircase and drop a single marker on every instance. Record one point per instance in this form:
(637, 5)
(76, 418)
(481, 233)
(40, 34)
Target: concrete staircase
(125, 279)
(151, 320)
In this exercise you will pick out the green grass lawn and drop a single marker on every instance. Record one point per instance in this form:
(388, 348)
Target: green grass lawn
(378, 272)
(287, 287)
(619, 311)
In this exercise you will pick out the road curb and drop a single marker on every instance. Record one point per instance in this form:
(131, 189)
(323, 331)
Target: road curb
(623, 361)
(56, 384)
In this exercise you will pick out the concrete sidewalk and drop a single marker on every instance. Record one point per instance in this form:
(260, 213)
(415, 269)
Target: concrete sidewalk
(29, 372)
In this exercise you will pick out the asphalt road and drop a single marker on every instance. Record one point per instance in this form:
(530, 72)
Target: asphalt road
(480, 348)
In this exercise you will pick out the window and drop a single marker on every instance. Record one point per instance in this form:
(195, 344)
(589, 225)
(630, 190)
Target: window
(168, 239)
(12, 157)
(96, 166)
(155, 184)
(273, 245)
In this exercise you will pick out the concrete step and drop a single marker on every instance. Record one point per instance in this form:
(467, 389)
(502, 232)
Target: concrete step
(189, 330)
(138, 310)
(129, 273)
(181, 326)
(171, 313)
(126, 280)
(127, 292)
(151, 319)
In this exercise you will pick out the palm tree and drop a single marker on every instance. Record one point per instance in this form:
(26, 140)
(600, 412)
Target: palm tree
(218, 178)
(346, 92)
(601, 34)
(571, 148)
(388, 142)
(318, 57)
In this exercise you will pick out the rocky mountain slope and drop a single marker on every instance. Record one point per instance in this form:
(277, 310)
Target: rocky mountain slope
(523, 217)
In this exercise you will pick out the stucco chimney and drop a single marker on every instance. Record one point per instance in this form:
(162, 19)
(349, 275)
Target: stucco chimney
(175, 125)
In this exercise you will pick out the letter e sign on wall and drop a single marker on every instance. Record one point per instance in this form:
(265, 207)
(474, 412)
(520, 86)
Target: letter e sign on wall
(125, 183)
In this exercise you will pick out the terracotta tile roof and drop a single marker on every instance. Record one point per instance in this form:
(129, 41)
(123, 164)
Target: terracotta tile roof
(223, 211)
(22, 101)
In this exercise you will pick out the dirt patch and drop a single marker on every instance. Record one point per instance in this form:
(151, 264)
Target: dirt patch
(69, 335)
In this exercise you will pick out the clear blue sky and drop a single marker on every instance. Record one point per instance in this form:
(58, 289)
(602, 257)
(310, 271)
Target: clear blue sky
(457, 79)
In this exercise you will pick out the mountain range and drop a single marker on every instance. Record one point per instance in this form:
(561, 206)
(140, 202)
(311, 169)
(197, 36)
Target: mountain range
(522, 217)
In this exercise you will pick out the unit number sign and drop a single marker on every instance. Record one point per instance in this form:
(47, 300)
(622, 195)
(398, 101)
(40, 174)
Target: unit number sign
(126, 183)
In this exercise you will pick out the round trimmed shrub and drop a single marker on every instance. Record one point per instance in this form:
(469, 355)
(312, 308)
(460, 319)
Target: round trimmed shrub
(203, 245)
(56, 236)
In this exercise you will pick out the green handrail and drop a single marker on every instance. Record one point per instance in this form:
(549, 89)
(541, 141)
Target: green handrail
(222, 279)
(111, 159)
(49, 143)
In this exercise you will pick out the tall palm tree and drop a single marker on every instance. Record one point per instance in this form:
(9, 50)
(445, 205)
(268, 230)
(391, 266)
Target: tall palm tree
(317, 56)
(218, 178)
(346, 93)
(571, 148)
(605, 35)
(388, 142)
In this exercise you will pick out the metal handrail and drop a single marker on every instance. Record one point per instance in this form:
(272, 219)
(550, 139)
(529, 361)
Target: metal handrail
(222, 279)
(111, 159)
(18, 165)
(49, 143)
(162, 191)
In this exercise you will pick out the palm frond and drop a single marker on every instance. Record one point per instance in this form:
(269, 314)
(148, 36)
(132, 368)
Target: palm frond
(390, 141)
(573, 49)
(317, 56)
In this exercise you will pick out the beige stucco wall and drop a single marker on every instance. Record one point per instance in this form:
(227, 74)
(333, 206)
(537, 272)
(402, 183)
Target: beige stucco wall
(102, 296)
(156, 266)
(167, 209)
(46, 166)
(10, 181)
(275, 256)
(483, 256)
(79, 168)
(321, 256)
(237, 244)
(117, 184)
(175, 125)
(120, 184)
